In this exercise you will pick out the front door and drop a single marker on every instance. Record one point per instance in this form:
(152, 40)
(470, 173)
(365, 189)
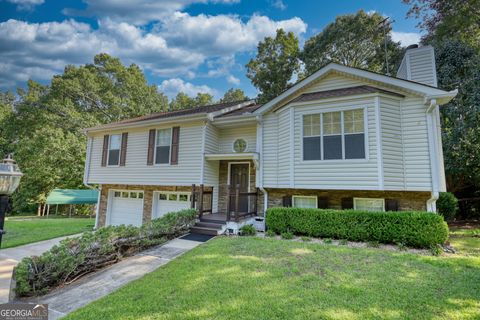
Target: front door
(239, 177)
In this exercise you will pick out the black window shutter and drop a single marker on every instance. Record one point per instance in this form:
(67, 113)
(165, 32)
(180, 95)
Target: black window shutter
(391, 205)
(175, 145)
(347, 203)
(287, 201)
(322, 203)
(151, 146)
(105, 150)
(123, 151)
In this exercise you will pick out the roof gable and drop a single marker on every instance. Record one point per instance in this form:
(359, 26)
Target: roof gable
(313, 84)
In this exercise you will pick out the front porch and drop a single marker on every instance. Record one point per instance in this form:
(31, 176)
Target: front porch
(241, 209)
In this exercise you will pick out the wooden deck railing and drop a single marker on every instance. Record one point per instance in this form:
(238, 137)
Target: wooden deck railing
(198, 200)
(234, 197)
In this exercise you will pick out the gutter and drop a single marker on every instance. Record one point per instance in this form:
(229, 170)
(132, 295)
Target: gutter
(85, 178)
(432, 148)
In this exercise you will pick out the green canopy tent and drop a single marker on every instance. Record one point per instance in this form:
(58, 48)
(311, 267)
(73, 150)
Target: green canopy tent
(71, 197)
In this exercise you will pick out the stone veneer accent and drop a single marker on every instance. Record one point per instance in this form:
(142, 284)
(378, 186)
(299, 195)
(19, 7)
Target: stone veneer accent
(407, 200)
(147, 198)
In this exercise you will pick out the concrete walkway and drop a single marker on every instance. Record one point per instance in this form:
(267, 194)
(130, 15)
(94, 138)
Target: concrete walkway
(99, 284)
(11, 256)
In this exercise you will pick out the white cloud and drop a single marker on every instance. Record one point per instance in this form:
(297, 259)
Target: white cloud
(406, 38)
(173, 86)
(176, 47)
(233, 80)
(136, 11)
(279, 4)
(26, 5)
(222, 34)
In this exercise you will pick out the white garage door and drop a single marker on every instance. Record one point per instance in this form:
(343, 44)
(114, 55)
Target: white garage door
(166, 202)
(126, 208)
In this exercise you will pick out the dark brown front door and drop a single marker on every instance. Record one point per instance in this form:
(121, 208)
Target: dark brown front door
(239, 177)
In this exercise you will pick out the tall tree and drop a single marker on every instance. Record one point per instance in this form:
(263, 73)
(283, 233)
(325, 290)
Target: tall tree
(448, 19)
(354, 40)
(184, 101)
(7, 100)
(275, 64)
(233, 95)
(47, 121)
(458, 66)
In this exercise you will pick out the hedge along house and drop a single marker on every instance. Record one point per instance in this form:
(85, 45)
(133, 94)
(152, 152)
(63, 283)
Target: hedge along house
(341, 138)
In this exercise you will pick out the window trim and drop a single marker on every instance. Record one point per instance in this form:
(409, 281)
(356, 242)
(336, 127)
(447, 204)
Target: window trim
(109, 148)
(335, 109)
(299, 196)
(355, 202)
(169, 150)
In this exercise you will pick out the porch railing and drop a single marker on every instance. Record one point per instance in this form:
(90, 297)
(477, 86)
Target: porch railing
(234, 199)
(202, 199)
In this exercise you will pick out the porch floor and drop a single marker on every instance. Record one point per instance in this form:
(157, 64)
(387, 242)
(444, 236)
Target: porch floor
(215, 216)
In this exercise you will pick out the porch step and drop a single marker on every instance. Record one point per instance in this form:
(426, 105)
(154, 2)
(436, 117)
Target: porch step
(204, 230)
(210, 225)
(212, 220)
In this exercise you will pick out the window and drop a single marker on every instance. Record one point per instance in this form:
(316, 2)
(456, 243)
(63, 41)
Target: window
(311, 137)
(162, 146)
(183, 197)
(172, 197)
(304, 201)
(162, 196)
(117, 194)
(114, 150)
(369, 204)
(124, 194)
(340, 134)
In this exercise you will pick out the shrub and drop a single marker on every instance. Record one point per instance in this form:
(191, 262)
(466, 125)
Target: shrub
(306, 239)
(327, 241)
(270, 233)
(248, 230)
(447, 205)
(417, 229)
(287, 235)
(75, 257)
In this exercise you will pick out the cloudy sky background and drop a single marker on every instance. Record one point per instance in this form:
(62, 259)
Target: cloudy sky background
(183, 45)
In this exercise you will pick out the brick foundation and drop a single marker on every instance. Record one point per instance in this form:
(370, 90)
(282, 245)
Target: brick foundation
(407, 200)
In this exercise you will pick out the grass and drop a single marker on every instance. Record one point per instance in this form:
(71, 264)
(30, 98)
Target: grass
(254, 278)
(20, 232)
(466, 239)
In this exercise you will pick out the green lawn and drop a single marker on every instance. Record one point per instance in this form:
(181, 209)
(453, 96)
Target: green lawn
(466, 240)
(254, 278)
(25, 231)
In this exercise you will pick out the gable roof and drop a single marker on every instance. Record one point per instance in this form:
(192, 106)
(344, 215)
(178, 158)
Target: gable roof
(342, 92)
(215, 109)
(427, 91)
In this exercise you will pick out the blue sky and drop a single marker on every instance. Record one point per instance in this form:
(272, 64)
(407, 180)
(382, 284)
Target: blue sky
(182, 45)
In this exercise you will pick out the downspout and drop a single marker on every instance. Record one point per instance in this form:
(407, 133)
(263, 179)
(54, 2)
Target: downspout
(260, 162)
(432, 130)
(85, 178)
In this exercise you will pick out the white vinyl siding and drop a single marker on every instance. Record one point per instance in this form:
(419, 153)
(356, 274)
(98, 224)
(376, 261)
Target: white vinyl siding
(355, 174)
(211, 168)
(391, 125)
(283, 153)
(137, 172)
(270, 148)
(332, 82)
(415, 145)
(228, 136)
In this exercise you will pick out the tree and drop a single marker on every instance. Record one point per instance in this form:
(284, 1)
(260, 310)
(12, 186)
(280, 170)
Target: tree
(276, 62)
(354, 40)
(448, 19)
(7, 100)
(48, 120)
(458, 66)
(233, 95)
(183, 101)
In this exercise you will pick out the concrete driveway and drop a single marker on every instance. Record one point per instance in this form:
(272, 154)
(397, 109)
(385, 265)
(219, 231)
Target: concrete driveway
(11, 256)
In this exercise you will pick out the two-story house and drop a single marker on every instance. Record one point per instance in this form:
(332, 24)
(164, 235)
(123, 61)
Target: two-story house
(340, 138)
